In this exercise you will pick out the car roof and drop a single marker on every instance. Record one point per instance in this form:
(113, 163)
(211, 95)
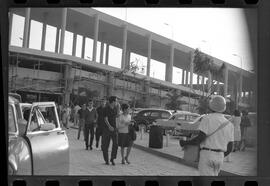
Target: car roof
(154, 109)
(186, 113)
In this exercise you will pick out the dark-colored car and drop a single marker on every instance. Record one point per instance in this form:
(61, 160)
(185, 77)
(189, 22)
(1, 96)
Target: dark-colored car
(37, 146)
(146, 117)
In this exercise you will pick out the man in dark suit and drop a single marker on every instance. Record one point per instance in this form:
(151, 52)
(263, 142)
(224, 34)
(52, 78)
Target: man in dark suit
(90, 121)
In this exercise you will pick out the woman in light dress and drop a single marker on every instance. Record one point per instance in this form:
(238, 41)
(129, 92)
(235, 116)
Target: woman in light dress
(124, 139)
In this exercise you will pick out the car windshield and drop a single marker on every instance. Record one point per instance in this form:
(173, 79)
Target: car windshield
(11, 120)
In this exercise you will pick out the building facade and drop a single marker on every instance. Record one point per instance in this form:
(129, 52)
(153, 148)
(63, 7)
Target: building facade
(79, 50)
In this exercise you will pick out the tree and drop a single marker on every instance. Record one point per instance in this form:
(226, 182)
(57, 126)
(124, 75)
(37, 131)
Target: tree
(175, 101)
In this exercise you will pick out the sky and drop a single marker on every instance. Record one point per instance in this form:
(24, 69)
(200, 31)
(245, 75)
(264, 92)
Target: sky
(220, 32)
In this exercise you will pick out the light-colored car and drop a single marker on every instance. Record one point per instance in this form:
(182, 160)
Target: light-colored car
(176, 120)
(37, 146)
(191, 128)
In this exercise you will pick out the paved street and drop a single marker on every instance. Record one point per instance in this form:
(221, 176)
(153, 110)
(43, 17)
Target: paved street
(84, 162)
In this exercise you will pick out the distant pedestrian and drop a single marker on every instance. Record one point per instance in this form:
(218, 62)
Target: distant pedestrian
(245, 123)
(236, 120)
(215, 138)
(81, 115)
(109, 131)
(65, 117)
(90, 121)
(100, 121)
(68, 108)
(124, 139)
(76, 115)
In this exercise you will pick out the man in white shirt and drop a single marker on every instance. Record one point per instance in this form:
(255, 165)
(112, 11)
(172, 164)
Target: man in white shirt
(214, 148)
(76, 116)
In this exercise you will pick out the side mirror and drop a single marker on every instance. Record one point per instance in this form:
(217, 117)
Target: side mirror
(22, 126)
(47, 127)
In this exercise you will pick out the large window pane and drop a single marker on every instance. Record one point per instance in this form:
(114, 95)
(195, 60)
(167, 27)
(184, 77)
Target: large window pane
(157, 69)
(79, 46)
(68, 43)
(115, 56)
(177, 75)
(140, 61)
(98, 52)
(50, 38)
(35, 35)
(17, 28)
(88, 51)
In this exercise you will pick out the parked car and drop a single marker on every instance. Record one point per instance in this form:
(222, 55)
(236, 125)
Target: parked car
(190, 129)
(37, 146)
(177, 120)
(146, 117)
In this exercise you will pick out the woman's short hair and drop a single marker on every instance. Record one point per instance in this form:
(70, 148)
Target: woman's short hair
(237, 113)
(112, 99)
(124, 106)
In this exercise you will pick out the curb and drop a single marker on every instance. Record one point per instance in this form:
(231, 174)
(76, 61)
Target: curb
(177, 159)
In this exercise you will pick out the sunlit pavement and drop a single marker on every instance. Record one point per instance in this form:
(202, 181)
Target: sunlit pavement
(91, 162)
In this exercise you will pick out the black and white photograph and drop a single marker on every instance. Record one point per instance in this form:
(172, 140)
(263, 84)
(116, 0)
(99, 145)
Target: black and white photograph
(132, 91)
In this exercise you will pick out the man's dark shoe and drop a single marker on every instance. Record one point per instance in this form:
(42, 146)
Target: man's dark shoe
(91, 148)
(112, 162)
(86, 148)
(107, 163)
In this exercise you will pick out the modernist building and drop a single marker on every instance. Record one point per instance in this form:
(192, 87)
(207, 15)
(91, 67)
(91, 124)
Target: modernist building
(58, 73)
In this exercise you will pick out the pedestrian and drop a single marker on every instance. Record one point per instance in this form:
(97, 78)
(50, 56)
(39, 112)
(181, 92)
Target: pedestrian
(215, 138)
(76, 115)
(68, 113)
(245, 123)
(81, 115)
(124, 139)
(90, 121)
(236, 120)
(109, 131)
(65, 117)
(100, 121)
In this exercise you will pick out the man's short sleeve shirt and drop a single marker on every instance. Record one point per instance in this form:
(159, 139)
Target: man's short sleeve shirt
(222, 137)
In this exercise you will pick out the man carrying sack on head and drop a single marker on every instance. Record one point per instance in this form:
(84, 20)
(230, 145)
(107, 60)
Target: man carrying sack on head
(215, 138)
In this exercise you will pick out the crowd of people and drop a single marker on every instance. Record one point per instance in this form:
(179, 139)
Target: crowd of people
(110, 121)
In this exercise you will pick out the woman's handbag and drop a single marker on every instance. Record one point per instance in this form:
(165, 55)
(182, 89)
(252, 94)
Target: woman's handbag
(132, 132)
(192, 152)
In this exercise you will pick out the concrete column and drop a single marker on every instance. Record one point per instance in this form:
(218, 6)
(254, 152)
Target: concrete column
(218, 88)
(26, 28)
(44, 29)
(169, 66)
(83, 47)
(149, 55)
(63, 30)
(74, 44)
(101, 52)
(147, 91)
(124, 48)
(240, 88)
(209, 82)
(69, 74)
(96, 28)
(107, 54)
(128, 59)
(57, 40)
(183, 76)
(10, 18)
(203, 84)
(225, 90)
(110, 80)
(198, 79)
(191, 56)
(186, 77)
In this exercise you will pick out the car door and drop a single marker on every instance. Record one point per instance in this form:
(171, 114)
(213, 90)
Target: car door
(49, 145)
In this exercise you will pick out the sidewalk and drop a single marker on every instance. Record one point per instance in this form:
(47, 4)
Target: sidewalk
(242, 163)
